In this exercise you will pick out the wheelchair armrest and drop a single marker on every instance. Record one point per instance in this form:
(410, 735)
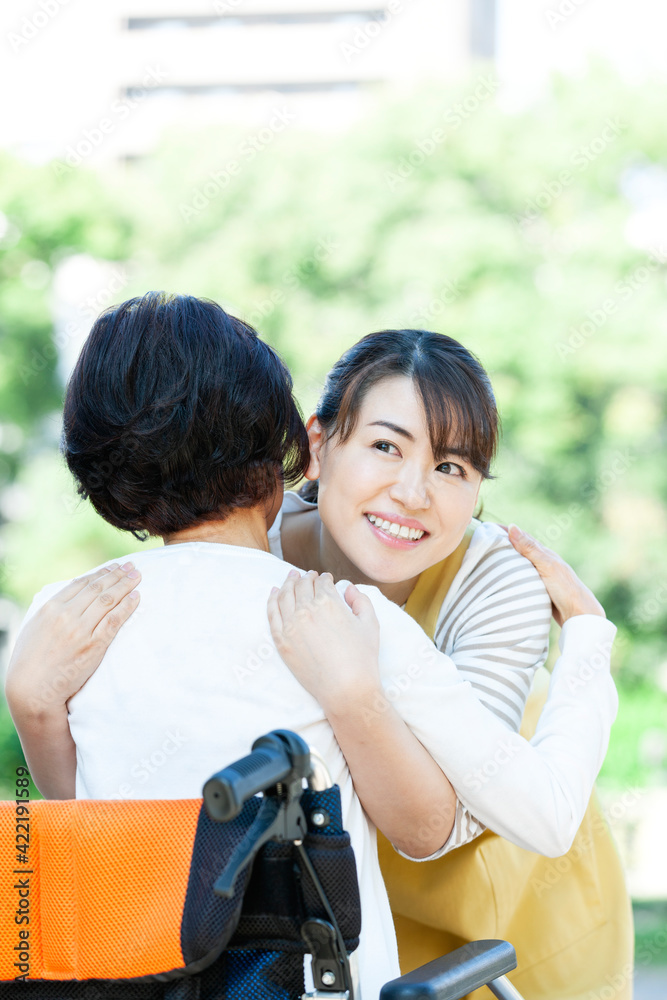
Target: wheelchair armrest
(452, 976)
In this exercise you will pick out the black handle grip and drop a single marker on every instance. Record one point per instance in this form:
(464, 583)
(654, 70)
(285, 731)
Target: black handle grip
(226, 792)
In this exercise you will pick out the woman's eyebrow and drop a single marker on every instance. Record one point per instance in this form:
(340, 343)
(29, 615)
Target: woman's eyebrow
(453, 452)
(392, 427)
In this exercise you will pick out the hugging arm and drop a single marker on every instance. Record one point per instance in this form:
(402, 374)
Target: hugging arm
(312, 627)
(57, 650)
(533, 793)
(580, 678)
(496, 632)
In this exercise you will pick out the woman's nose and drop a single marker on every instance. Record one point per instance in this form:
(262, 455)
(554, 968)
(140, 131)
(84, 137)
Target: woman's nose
(411, 491)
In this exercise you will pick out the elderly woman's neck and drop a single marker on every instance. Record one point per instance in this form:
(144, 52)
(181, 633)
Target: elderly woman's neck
(247, 528)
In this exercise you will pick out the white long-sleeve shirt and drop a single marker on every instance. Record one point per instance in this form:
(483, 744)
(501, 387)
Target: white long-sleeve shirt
(193, 678)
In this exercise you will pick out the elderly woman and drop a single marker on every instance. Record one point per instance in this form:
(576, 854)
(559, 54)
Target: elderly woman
(194, 416)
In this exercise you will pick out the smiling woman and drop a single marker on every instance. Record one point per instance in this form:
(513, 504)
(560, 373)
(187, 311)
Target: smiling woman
(400, 444)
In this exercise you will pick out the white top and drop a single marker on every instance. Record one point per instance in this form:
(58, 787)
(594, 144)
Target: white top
(186, 686)
(494, 624)
(193, 677)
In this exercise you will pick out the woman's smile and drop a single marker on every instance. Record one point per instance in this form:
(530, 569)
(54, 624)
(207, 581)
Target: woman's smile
(396, 531)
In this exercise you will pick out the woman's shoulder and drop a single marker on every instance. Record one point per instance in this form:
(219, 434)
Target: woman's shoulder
(285, 531)
(495, 621)
(492, 564)
(489, 547)
(294, 503)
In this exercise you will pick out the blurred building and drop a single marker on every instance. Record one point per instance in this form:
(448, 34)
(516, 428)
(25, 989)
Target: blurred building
(102, 80)
(120, 71)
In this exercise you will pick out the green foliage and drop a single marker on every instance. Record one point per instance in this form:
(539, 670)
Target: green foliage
(510, 234)
(650, 934)
(640, 723)
(11, 755)
(45, 215)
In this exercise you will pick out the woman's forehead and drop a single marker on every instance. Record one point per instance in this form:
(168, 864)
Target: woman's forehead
(396, 404)
(395, 394)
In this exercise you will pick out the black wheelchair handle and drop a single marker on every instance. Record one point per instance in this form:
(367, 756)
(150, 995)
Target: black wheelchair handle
(277, 757)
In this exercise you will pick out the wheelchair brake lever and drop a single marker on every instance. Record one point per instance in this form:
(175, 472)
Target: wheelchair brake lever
(330, 965)
(275, 820)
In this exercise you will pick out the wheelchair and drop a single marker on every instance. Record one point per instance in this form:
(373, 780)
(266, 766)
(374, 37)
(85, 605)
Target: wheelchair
(212, 900)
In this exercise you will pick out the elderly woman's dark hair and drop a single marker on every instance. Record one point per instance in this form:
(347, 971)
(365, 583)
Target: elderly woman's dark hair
(177, 413)
(455, 390)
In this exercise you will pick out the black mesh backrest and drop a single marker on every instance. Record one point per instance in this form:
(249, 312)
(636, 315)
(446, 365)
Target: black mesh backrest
(263, 960)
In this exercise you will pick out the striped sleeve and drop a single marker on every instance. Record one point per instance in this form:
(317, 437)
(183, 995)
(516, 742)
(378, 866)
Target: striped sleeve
(496, 630)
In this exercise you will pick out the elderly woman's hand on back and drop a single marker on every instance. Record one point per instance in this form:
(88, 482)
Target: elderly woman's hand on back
(569, 595)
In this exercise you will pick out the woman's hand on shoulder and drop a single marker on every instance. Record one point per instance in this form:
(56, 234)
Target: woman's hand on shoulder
(569, 595)
(331, 649)
(64, 642)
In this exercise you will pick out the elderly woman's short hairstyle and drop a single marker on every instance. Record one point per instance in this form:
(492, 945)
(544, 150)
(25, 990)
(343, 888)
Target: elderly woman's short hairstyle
(177, 413)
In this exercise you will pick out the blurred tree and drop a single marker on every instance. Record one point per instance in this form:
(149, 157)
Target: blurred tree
(534, 237)
(45, 216)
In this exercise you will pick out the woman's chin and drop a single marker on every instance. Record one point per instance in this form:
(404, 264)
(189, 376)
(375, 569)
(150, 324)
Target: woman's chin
(379, 575)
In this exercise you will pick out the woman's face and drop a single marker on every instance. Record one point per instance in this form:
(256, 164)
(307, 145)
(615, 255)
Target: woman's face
(391, 506)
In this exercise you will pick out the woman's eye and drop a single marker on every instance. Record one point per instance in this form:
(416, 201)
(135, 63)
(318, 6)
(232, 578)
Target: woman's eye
(385, 446)
(452, 469)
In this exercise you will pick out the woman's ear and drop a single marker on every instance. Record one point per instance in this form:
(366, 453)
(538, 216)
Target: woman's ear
(316, 442)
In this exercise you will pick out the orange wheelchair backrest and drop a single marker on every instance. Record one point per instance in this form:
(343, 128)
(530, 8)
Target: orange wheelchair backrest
(95, 889)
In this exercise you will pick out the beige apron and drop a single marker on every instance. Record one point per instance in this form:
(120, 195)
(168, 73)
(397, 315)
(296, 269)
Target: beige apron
(569, 918)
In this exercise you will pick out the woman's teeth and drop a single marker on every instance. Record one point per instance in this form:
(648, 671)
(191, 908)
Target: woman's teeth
(400, 530)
